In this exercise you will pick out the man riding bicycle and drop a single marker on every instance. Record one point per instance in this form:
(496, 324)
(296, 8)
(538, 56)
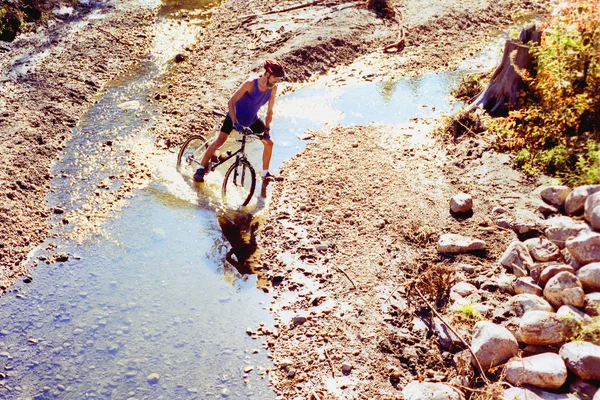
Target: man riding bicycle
(243, 112)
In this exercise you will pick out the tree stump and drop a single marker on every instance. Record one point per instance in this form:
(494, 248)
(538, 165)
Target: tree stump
(501, 93)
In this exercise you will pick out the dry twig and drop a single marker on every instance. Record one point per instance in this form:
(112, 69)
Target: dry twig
(437, 314)
(344, 272)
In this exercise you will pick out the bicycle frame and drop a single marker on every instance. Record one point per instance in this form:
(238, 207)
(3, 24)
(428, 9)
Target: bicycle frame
(240, 153)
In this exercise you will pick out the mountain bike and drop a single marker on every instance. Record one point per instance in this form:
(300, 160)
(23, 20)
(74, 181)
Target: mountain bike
(240, 179)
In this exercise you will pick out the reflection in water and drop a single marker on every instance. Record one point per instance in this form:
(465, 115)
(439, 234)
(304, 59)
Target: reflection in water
(387, 90)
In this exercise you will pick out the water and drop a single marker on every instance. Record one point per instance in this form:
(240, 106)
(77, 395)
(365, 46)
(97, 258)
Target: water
(153, 288)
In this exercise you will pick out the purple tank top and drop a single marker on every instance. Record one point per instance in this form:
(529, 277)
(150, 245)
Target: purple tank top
(246, 108)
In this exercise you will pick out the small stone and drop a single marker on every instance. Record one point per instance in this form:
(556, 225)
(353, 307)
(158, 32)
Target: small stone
(585, 248)
(452, 243)
(248, 369)
(564, 288)
(153, 378)
(291, 374)
(583, 359)
(555, 195)
(547, 371)
(346, 368)
(589, 276)
(463, 289)
(179, 58)
(299, 320)
(541, 328)
(542, 249)
(493, 344)
(461, 203)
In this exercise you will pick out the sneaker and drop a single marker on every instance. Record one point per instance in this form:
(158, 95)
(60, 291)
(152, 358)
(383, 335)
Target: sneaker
(199, 175)
(270, 177)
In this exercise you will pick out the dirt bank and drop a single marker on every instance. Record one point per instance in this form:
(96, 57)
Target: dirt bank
(48, 80)
(345, 231)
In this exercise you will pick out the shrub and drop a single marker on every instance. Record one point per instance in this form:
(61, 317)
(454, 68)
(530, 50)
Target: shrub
(556, 129)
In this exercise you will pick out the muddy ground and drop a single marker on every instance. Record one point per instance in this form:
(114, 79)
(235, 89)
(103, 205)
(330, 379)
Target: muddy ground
(340, 237)
(48, 81)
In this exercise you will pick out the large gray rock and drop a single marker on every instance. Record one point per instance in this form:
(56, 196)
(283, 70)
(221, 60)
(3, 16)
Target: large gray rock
(492, 344)
(589, 276)
(525, 284)
(542, 249)
(569, 259)
(463, 289)
(431, 391)
(574, 320)
(592, 304)
(583, 359)
(552, 270)
(575, 201)
(452, 243)
(542, 328)
(561, 228)
(522, 303)
(546, 371)
(591, 203)
(516, 257)
(584, 390)
(564, 288)
(517, 393)
(595, 219)
(526, 222)
(461, 203)
(555, 195)
(585, 248)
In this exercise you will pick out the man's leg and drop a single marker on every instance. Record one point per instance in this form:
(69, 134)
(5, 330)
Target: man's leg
(214, 146)
(267, 153)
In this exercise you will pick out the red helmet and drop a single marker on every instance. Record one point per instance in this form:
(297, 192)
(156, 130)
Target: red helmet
(275, 68)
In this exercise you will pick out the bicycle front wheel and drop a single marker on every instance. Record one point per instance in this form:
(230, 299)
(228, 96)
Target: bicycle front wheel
(191, 152)
(239, 184)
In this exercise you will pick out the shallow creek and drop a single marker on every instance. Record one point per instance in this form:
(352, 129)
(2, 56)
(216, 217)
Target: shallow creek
(148, 306)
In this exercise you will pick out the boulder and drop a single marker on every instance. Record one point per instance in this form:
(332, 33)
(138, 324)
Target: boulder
(516, 393)
(431, 391)
(452, 243)
(546, 371)
(589, 276)
(592, 304)
(492, 344)
(564, 288)
(526, 222)
(574, 320)
(552, 270)
(591, 203)
(575, 201)
(585, 248)
(561, 228)
(595, 219)
(569, 259)
(525, 284)
(555, 195)
(461, 203)
(542, 249)
(516, 257)
(584, 390)
(583, 359)
(522, 303)
(542, 328)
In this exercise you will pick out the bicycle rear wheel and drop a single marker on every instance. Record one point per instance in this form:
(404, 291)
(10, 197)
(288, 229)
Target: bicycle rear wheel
(191, 152)
(239, 184)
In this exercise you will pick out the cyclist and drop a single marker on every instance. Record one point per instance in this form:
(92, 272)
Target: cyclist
(243, 112)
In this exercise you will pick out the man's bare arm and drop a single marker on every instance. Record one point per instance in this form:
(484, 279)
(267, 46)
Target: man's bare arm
(270, 108)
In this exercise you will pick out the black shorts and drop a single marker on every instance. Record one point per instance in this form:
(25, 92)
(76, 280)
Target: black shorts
(257, 127)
